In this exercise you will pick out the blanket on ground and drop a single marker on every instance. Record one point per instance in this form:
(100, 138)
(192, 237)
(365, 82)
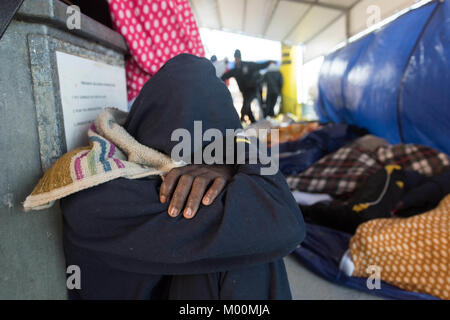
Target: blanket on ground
(340, 173)
(412, 253)
(112, 153)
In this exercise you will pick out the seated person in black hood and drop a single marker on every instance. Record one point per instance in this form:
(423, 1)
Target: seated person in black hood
(215, 231)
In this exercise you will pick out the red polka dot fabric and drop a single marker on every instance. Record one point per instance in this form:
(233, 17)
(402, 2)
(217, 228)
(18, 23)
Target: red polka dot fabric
(155, 31)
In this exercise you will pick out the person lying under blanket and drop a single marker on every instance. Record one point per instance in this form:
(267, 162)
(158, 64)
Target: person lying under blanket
(202, 231)
(390, 192)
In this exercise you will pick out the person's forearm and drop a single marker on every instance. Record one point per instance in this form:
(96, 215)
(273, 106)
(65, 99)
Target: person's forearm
(264, 65)
(227, 75)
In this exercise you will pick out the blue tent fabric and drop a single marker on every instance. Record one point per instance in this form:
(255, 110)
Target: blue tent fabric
(321, 252)
(332, 82)
(394, 82)
(424, 106)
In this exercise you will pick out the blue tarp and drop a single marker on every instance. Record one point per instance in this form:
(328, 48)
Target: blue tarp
(394, 82)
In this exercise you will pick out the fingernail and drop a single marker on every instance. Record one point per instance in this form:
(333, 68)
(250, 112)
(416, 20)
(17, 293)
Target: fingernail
(188, 212)
(206, 200)
(162, 199)
(173, 212)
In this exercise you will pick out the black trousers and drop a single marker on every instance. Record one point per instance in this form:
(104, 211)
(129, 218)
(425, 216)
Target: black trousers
(270, 104)
(248, 96)
(100, 281)
(261, 282)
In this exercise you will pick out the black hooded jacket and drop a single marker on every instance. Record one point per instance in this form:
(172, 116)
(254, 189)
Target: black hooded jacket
(122, 223)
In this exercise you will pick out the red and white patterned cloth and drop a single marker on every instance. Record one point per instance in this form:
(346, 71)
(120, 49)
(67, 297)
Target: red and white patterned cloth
(155, 31)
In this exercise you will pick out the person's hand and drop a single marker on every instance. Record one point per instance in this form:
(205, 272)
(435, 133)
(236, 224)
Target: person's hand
(193, 184)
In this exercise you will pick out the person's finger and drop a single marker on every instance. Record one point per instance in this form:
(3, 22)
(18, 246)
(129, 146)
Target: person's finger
(180, 194)
(170, 182)
(195, 197)
(216, 188)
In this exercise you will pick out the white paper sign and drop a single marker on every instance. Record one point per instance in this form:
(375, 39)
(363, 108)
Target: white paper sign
(87, 86)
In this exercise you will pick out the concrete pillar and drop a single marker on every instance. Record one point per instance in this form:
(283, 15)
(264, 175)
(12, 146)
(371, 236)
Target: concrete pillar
(32, 136)
(289, 71)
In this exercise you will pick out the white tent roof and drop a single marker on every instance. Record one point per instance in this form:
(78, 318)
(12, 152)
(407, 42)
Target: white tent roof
(318, 24)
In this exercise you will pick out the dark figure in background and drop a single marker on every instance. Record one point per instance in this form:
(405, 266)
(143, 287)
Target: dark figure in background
(248, 78)
(274, 81)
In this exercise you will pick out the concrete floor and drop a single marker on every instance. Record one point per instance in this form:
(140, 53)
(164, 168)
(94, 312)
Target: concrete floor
(305, 285)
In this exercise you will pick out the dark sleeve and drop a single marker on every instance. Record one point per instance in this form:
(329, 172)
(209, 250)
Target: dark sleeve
(122, 223)
(229, 74)
(264, 65)
(258, 66)
(443, 181)
(425, 194)
(281, 80)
